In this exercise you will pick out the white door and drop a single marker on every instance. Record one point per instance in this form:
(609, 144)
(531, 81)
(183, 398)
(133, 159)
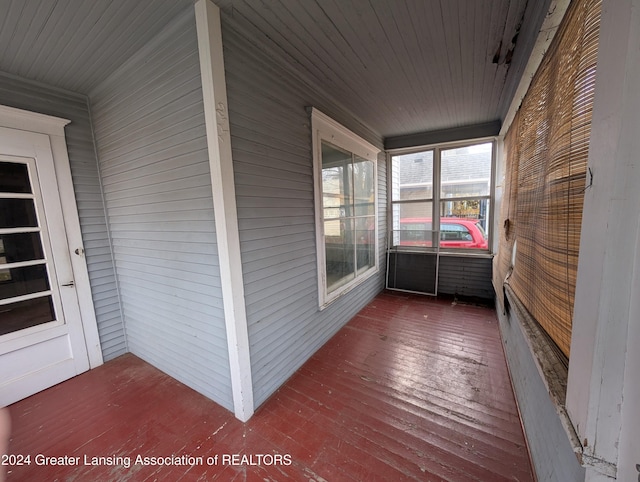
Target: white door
(42, 340)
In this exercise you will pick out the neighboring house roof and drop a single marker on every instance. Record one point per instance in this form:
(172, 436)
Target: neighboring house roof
(417, 168)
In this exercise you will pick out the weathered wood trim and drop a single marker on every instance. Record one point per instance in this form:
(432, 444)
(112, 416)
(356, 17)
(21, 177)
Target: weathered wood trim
(550, 25)
(214, 92)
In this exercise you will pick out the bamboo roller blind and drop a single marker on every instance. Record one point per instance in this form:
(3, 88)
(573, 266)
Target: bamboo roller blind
(546, 151)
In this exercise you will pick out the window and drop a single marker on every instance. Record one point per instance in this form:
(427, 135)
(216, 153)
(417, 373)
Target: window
(346, 215)
(442, 195)
(546, 150)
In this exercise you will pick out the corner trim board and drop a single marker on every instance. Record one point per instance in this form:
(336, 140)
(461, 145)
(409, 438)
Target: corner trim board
(214, 92)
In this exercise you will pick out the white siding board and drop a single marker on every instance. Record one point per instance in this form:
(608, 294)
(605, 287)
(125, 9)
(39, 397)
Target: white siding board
(246, 99)
(258, 223)
(198, 279)
(104, 268)
(197, 192)
(193, 252)
(276, 230)
(253, 195)
(290, 270)
(270, 233)
(277, 242)
(154, 72)
(193, 215)
(190, 289)
(27, 95)
(158, 348)
(111, 311)
(261, 213)
(270, 252)
(158, 121)
(258, 292)
(249, 181)
(188, 142)
(180, 206)
(111, 333)
(173, 235)
(160, 80)
(269, 135)
(149, 125)
(180, 226)
(161, 183)
(250, 141)
(158, 75)
(150, 300)
(192, 326)
(274, 202)
(258, 153)
(269, 319)
(187, 261)
(253, 161)
(158, 142)
(269, 310)
(271, 141)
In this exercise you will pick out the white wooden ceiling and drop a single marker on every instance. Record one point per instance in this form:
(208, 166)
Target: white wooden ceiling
(400, 66)
(75, 44)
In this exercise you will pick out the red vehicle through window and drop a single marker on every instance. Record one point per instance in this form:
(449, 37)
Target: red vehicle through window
(454, 233)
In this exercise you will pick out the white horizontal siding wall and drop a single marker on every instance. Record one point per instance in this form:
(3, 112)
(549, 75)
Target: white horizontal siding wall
(272, 154)
(150, 133)
(23, 94)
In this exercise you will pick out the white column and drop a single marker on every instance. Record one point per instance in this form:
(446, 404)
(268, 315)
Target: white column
(214, 92)
(603, 393)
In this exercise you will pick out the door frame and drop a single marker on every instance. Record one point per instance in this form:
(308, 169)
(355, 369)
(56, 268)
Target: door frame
(53, 128)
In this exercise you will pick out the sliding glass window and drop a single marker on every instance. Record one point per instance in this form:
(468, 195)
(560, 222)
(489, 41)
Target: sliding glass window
(442, 196)
(345, 168)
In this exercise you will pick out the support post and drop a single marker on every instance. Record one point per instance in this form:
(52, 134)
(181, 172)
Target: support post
(214, 92)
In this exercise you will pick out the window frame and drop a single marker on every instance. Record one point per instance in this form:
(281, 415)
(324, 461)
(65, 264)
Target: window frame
(326, 129)
(436, 200)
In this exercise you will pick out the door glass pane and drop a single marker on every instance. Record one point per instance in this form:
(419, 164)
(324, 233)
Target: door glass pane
(14, 178)
(412, 176)
(17, 213)
(466, 171)
(24, 281)
(18, 247)
(24, 314)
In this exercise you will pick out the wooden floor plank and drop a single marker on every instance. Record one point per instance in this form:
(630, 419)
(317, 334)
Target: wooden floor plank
(412, 388)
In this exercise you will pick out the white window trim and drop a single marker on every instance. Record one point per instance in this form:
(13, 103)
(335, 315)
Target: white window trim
(325, 128)
(436, 199)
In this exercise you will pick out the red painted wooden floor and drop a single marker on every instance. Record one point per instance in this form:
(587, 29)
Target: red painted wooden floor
(411, 389)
